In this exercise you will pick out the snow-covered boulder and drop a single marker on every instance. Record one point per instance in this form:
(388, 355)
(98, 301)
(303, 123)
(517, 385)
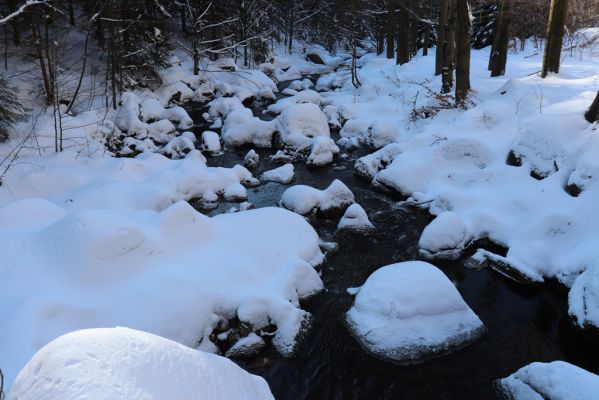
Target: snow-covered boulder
(583, 300)
(355, 220)
(251, 159)
(369, 165)
(322, 152)
(283, 174)
(178, 147)
(300, 85)
(121, 363)
(304, 199)
(444, 238)
(247, 346)
(305, 96)
(557, 380)
(409, 312)
(241, 127)
(300, 123)
(211, 142)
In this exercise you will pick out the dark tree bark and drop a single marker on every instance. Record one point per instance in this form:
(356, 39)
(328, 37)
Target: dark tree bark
(40, 56)
(71, 13)
(463, 37)
(592, 114)
(403, 35)
(503, 27)
(390, 28)
(441, 37)
(555, 36)
(449, 49)
(425, 42)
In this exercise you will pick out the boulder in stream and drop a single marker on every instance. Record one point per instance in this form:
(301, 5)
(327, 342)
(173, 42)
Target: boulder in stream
(409, 312)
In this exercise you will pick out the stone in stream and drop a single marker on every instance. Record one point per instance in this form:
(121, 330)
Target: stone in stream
(284, 174)
(355, 220)
(583, 301)
(251, 159)
(444, 238)
(557, 380)
(211, 142)
(246, 347)
(409, 312)
(315, 58)
(304, 199)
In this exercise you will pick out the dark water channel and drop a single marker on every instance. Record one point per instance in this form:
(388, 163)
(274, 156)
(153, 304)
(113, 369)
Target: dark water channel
(524, 324)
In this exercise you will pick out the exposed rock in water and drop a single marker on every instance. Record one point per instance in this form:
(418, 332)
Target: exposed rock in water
(315, 58)
(583, 301)
(251, 159)
(355, 220)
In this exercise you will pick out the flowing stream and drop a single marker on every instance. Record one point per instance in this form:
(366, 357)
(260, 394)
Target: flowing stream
(524, 324)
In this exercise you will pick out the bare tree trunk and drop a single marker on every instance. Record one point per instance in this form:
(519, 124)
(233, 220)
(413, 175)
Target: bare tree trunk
(499, 51)
(113, 58)
(40, 57)
(441, 37)
(425, 42)
(403, 37)
(463, 37)
(71, 13)
(592, 114)
(183, 19)
(390, 28)
(555, 36)
(448, 50)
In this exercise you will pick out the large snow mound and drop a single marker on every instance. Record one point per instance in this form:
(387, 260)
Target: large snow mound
(121, 363)
(409, 312)
(557, 380)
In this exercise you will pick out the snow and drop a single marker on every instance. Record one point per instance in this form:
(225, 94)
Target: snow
(408, 312)
(241, 127)
(557, 380)
(251, 159)
(121, 363)
(284, 174)
(304, 199)
(211, 142)
(583, 300)
(446, 237)
(356, 220)
(322, 152)
(300, 123)
(305, 96)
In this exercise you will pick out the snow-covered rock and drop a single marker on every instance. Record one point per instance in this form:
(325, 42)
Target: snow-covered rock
(300, 123)
(369, 165)
(583, 300)
(211, 142)
(247, 346)
(284, 174)
(409, 312)
(305, 96)
(557, 380)
(322, 152)
(251, 159)
(304, 199)
(241, 127)
(444, 238)
(121, 363)
(356, 220)
(178, 147)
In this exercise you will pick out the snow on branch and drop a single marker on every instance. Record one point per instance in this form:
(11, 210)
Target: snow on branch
(21, 10)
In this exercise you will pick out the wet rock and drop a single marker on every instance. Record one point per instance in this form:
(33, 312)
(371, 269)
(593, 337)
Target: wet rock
(511, 269)
(315, 58)
(409, 312)
(557, 380)
(246, 347)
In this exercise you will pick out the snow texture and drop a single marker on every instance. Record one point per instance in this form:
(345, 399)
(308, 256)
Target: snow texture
(121, 363)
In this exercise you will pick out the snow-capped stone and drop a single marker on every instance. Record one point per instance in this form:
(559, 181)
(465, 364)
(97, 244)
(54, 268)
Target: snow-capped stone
(241, 127)
(444, 238)
(322, 152)
(251, 159)
(355, 220)
(583, 300)
(284, 174)
(409, 312)
(304, 199)
(557, 380)
(211, 142)
(178, 147)
(300, 123)
(121, 363)
(369, 165)
(248, 346)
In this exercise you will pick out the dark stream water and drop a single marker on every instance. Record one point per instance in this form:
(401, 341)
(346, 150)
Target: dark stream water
(524, 324)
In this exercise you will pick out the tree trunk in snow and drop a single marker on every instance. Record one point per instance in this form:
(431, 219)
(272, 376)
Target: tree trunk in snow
(498, 57)
(463, 38)
(390, 28)
(555, 36)
(592, 114)
(441, 37)
(71, 13)
(403, 36)
(448, 50)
